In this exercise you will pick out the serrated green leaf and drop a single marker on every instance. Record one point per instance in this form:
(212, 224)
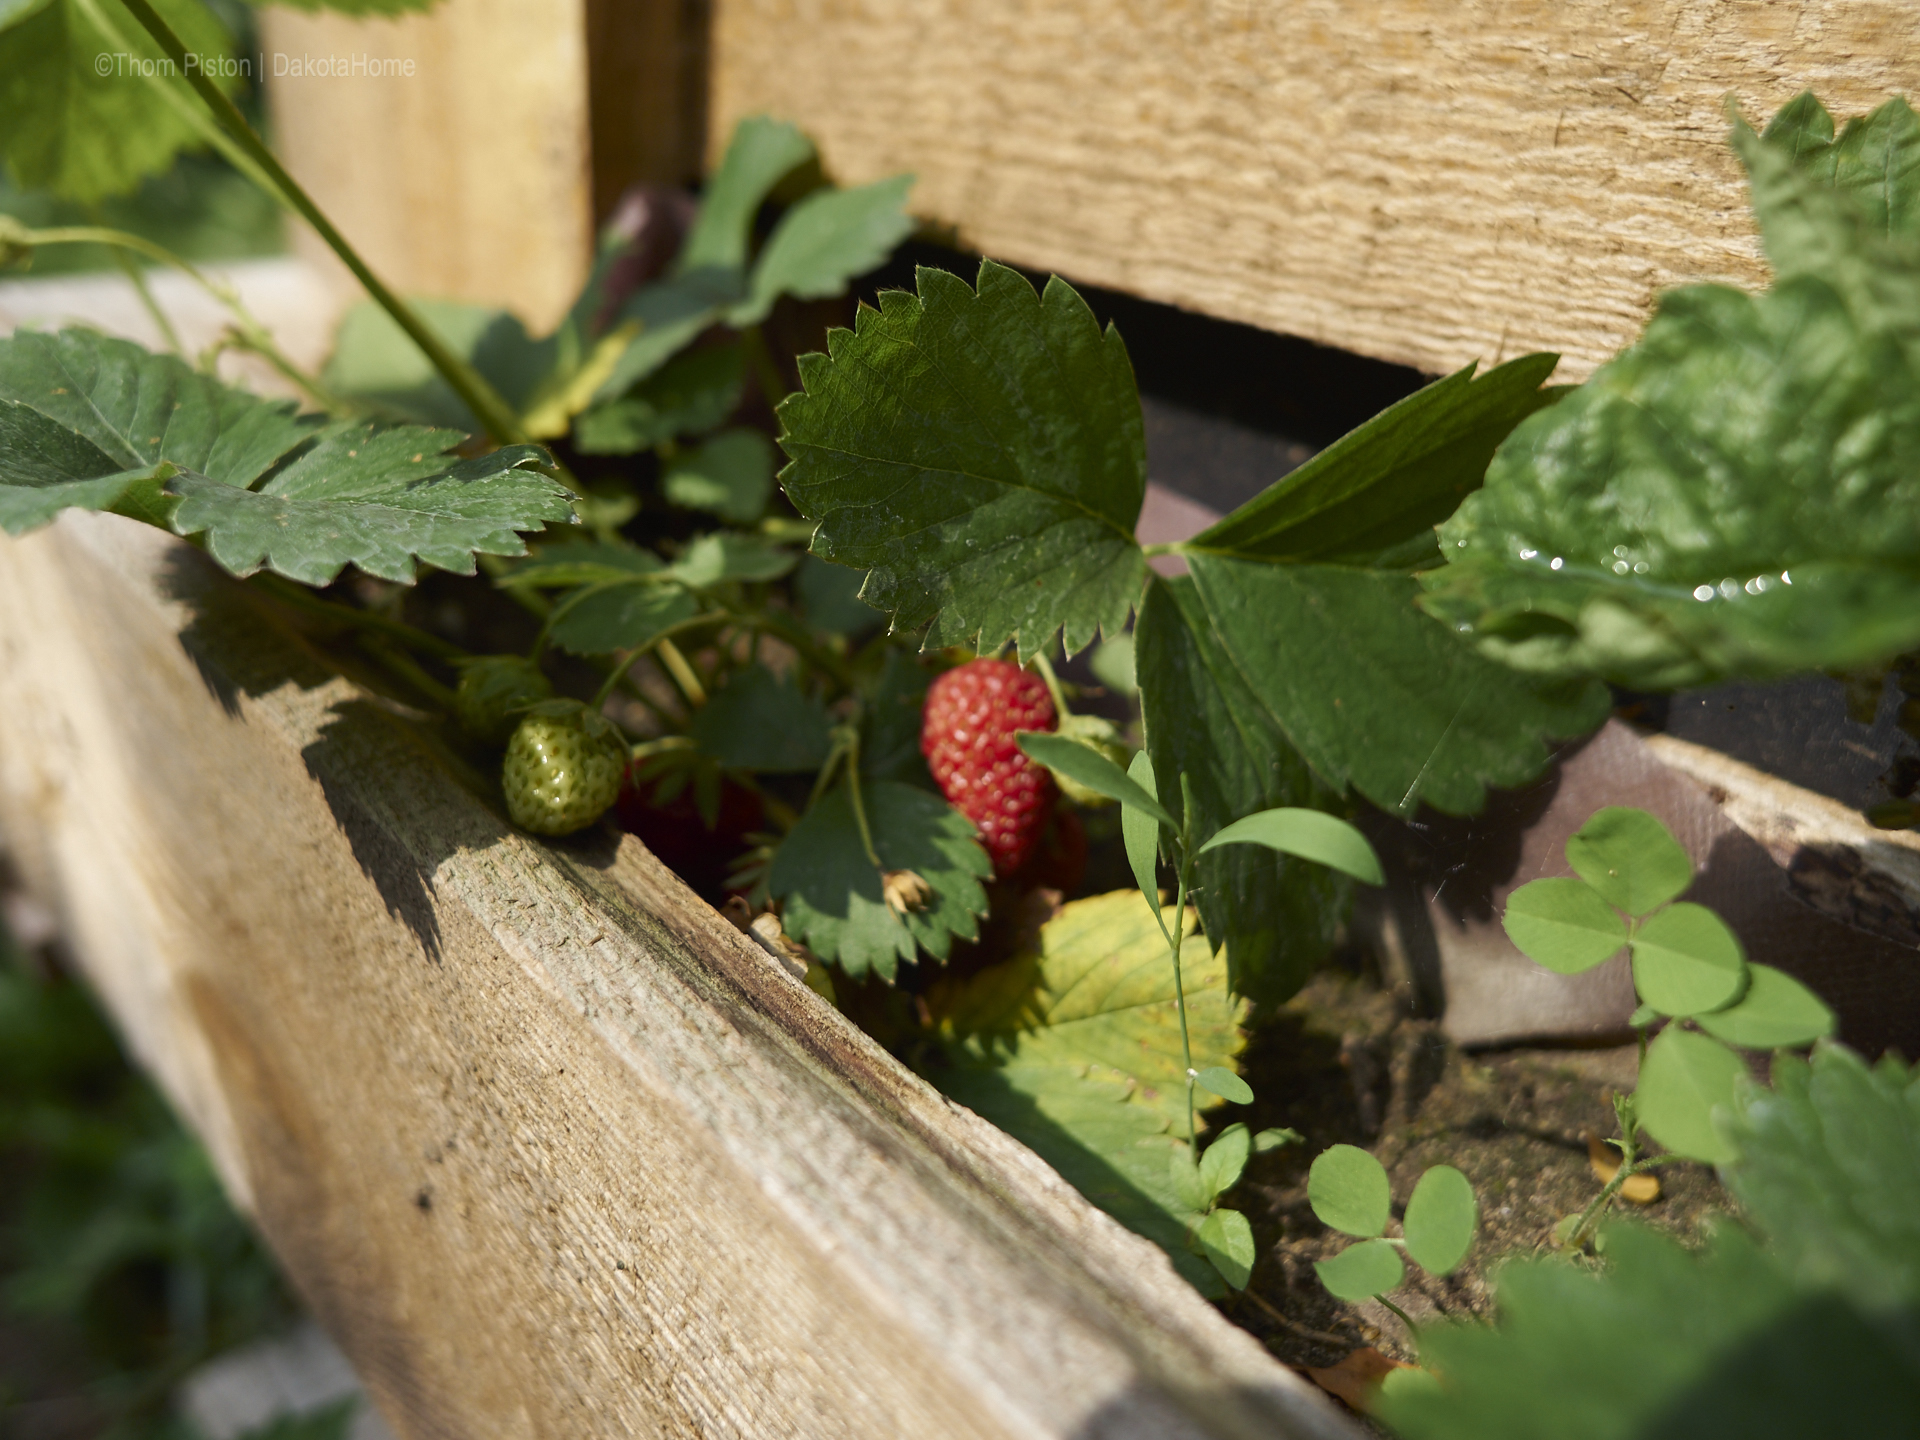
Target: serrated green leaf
(823, 242)
(623, 614)
(1073, 1047)
(1392, 479)
(759, 721)
(377, 499)
(723, 556)
(1220, 1167)
(1686, 960)
(85, 419)
(1736, 494)
(1776, 1012)
(1442, 1215)
(1310, 834)
(1829, 1166)
(890, 744)
(1362, 1271)
(730, 476)
(84, 134)
(1563, 924)
(760, 152)
(1226, 1239)
(1683, 1080)
(1630, 858)
(375, 361)
(1378, 696)
(691, 394)
(1216, 1080)
(1348, 1190)
(1663, 1342)
(835, 898)
(584, 563)
(982, 455)
(1277, 916)
(1091, 769)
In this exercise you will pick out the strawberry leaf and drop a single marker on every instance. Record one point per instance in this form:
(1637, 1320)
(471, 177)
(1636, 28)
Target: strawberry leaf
(981, 453)
(377, 499)
(1738, 494)
(1073, 1047)
(836, 898)
(823, 242)
(759, 721)
(1376, 695)
(81, 133)
(760, 153)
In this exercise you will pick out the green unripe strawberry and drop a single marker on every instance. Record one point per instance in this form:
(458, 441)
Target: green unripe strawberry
(563, 768)
(494, 692)
(1099, 735)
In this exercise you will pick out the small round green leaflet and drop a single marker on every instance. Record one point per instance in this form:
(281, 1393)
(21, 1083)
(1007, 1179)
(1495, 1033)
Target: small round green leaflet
(1563, 925)
(1226, 1239)
(1776, 1013)
(1686, 960)
(1362, 1271)
(1441, 1217)
(1347, 1188)
(1631, 859)
(1218, 1080)
(1310, 834)
(1220, 1167)
(1684, 1077)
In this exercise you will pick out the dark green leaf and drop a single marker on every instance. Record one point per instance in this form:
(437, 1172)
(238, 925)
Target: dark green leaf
(374, 360)
(689, 395)
(1563, 925)
(1630, 858)
(84, 134)
(720, 556)
(1362, 1271)
(835, 899)
(982, 455)
(1140, 834)
(1739, 492)
(1829, 1167)
(1394, 478)
(890, 747)
(1442, 1215)
(1073, 1047)
(1091, 769)
(376, 499)
(761, 722)
(830, 597)
(85, 419)
(1225, 1158)
(823, 242)
(1347, 1188)
(619, 615)
(1777, 1011)
(1226, 1239)
(1686, 960)
(1663, 1343)
(1312, 835)
(670, 314)
(730, 476)
(1276, 916)
(761, 151)
(1224, 1083)
(584, 563)
(1376, 695)
(1685, 1078)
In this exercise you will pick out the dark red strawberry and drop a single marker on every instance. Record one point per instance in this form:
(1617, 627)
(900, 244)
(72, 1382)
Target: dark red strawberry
(966, 732)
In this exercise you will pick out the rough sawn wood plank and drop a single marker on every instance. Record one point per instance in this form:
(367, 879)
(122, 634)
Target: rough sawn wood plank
(1428, 183)
(549, 1147)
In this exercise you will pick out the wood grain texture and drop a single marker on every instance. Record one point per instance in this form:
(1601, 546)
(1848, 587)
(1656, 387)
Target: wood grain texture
(549, 1147)
(1427, 183)
(466, 180)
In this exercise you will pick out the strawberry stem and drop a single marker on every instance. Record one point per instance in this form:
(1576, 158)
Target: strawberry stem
(1045, 667)
(1179, 981)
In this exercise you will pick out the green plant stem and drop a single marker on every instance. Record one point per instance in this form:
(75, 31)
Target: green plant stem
(399, 663)
(1180, 999)
(1045, 667)
(299, 597)
(612, 682)
(1405, 1319)
(859, 804)
(480, 397)
(137, 278)
(684, 675)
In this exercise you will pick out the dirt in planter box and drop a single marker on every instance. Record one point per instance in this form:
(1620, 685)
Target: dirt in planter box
(1343, 1062)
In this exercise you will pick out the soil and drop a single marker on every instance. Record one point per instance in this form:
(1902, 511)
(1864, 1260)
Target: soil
(1343, 1062)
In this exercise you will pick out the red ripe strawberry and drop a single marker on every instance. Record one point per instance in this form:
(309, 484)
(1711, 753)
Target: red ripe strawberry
(966, 733)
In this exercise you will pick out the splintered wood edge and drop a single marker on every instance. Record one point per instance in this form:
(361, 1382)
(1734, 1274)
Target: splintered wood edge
(534, 1130)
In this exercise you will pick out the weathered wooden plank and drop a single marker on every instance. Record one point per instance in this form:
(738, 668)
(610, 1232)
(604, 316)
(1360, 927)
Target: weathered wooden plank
(549, 1147)
(451, 148)
(1426, 183)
